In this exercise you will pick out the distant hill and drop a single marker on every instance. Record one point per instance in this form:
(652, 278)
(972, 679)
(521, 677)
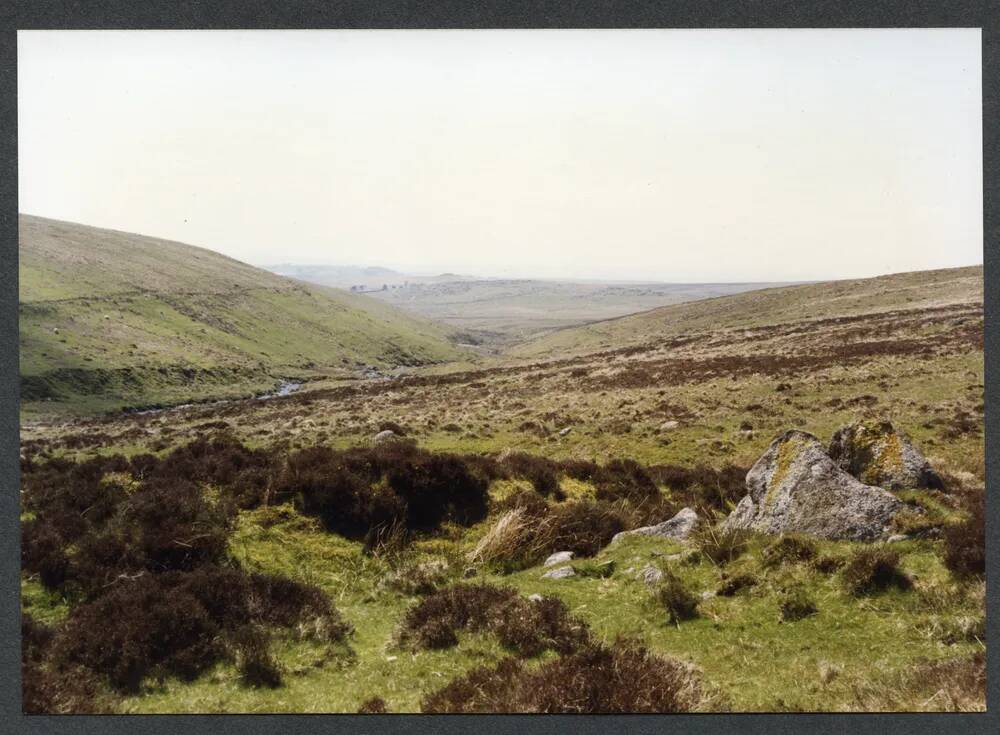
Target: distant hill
(360, 278)
(111, 319)
(920, 289)
(508, 310)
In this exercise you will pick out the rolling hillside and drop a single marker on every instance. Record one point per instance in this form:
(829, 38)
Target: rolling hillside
(833, 299)
(111, 319)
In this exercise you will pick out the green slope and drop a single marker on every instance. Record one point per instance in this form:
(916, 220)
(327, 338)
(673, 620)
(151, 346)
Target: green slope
(111, 319)
(832, 299)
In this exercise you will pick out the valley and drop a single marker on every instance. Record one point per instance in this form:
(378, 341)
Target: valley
(497, 312)
(410, 477)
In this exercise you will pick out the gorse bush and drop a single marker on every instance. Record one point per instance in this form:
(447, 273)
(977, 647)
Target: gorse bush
(618, 678)
(872, 570)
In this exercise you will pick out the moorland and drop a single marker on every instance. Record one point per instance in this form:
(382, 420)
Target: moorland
(424, 526)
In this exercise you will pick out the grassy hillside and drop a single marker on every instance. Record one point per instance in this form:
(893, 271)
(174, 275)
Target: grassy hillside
(113, 319)
(922, 289)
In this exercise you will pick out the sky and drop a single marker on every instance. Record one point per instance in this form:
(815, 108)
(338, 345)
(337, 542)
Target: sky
(685, 156)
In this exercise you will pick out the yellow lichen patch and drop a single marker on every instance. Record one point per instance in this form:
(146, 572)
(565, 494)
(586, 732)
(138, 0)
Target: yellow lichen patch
(887, 455)
(787, 453)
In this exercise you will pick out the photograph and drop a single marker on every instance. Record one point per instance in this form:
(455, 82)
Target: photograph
(539, 371)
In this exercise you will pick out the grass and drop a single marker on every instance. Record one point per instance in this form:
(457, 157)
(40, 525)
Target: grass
(778, 664)
(852, 653)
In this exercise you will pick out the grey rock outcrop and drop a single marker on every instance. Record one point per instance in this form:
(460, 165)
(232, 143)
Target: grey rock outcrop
(876, 453)
(796, 487)
(679, 527)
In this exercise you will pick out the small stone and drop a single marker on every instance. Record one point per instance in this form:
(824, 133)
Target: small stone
(535, 597)
(669, 425)
(679, 527)
(650, 575)
(707, 595)
(384, 437)
(564, 432)
(558, 558)
(897, 537)
(560, 573)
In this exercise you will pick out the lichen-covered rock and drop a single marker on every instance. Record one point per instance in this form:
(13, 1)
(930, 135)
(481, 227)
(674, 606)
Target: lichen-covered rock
(796, 487)
(679, 527)
(878, 454)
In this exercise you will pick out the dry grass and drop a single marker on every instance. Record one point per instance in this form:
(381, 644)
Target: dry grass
(515, 540)
(950, 685)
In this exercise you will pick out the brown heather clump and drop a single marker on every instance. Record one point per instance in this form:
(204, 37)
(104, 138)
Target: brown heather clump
(721, 545)
(523, 626)
(965, 541)
(796, 604)
(373, 706)
(254, 661)
(676, 599)
(702, 488)
(872, 570)
(541, 472)
(732, 584)
(176, 623)
(624, 479)
(356, 491)
(583, 527)
(788, 549)
(618, 678)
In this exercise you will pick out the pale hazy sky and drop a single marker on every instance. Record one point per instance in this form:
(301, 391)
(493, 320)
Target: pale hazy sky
(670, 155)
